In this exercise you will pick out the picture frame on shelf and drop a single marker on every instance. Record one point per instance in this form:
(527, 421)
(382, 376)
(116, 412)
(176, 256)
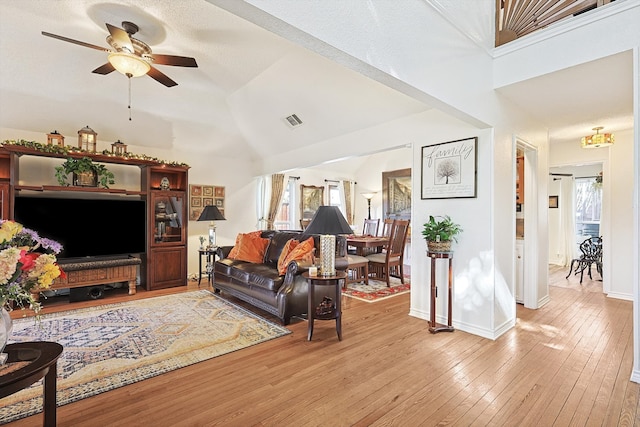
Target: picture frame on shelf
(449, 169)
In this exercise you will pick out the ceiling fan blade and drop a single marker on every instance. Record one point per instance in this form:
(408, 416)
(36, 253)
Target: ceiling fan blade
(159, 76)
(121, 38)
(179, 61)
(66, 39)
(104, 69)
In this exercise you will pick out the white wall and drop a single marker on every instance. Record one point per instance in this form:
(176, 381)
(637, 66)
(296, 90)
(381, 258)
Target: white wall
(366, 171)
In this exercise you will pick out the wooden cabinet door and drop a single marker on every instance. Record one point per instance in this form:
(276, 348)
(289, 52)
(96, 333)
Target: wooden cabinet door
(4, 200)
(167, 268)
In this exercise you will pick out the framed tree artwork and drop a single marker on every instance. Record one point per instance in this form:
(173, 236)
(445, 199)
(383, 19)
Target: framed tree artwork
(311, 198)
(396, 194)
(449, 169)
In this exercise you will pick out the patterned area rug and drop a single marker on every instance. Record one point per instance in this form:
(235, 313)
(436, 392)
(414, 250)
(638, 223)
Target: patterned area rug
(377, 290)
(113, 345)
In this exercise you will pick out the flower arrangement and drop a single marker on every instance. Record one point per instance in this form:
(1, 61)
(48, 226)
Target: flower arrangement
(27, 261)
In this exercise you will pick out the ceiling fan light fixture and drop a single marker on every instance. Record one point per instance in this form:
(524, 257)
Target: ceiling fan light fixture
(598, 139)
(128, 64)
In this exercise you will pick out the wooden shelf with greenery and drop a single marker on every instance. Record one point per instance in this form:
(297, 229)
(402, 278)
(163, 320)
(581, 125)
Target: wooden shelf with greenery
(36, 149)
(73, 188)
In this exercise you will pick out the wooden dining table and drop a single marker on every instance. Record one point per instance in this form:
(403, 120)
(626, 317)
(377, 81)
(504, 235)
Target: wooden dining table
(367, 242)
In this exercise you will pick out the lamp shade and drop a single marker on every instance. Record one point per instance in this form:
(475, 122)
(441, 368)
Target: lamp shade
(211, 213)
(128, 64)
(328, 220)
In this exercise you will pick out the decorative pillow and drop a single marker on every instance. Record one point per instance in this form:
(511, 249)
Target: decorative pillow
(252, 249)
(286, 250)
(302, 252)
(234, 251)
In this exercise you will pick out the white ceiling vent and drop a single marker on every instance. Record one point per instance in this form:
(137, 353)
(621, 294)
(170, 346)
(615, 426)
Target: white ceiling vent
(293, 120)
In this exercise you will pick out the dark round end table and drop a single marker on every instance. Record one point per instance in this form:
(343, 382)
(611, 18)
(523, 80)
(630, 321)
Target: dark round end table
(42, 358)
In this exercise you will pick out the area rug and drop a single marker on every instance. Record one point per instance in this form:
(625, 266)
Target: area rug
(113, 345)
(377, 290)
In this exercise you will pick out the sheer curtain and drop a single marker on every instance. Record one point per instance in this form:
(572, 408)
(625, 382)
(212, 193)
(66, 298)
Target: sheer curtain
(262, 201)
(277, 189)
(567, 239)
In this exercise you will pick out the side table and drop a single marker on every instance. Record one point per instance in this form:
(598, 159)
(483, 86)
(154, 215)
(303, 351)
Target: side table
(42, 359)
(330, 307)
(210, 256)
(435, 327)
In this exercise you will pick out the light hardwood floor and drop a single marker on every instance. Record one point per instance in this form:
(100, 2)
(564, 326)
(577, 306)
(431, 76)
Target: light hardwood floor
(568, 363)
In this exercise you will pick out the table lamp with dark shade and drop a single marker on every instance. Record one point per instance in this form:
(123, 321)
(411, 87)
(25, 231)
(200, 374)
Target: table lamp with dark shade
(328, 221)
(211, 213)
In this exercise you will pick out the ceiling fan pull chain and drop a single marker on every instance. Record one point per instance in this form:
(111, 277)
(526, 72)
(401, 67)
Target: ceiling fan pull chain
(129, 106)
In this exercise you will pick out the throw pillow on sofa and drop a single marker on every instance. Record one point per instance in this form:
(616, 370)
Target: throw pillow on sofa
(286, 250)
(300, 252)
(250, 247)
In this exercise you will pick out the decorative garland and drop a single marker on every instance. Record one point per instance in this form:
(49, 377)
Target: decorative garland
(55, 149)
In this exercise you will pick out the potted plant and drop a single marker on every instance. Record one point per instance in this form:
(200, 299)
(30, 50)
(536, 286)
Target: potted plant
(85, 173)
(440, 233)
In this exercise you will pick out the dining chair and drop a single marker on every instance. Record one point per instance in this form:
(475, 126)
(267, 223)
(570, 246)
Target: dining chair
(357, 270)
(304, 223)
(386, 227)
(591, 249)
(370, 227)
(389, 263)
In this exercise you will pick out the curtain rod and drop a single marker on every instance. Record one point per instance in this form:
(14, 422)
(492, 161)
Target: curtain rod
(294, 177)
(560, 174)
(333, 180)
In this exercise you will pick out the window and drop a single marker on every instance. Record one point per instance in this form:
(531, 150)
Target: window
(285, 218)
(588, 207)
(334, 196)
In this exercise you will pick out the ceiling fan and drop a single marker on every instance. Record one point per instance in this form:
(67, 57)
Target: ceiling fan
(130, 56)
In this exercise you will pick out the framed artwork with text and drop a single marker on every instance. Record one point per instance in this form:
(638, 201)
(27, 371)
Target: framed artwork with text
(449, 169)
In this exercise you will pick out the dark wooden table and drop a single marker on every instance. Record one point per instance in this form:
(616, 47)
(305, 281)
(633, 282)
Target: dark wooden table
(210, 256)
(362, 242)
(337, 282)
(435, 327)
(41, 359)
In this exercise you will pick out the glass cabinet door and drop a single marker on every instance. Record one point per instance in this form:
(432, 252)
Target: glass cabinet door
(168, 217)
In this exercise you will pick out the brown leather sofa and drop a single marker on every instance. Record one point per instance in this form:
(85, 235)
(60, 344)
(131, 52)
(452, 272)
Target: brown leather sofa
(261, 285)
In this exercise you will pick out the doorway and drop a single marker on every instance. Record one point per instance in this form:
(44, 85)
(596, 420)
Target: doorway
(577, 217)
(527, 246)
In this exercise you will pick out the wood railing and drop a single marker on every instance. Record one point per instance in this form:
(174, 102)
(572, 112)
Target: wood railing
(517, 18)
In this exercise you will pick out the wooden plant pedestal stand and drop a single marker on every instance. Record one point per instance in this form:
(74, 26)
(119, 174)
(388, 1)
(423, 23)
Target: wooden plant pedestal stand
(435, 327)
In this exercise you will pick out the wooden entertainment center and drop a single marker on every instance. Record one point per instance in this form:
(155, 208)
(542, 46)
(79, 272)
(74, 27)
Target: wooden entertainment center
(164, 263)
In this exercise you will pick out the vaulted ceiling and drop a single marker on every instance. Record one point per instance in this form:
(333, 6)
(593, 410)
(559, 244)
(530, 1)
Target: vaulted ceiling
(235, 103)
(247, 82)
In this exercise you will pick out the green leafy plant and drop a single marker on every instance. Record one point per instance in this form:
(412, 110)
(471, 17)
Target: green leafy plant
(444, 227)
(84, 164)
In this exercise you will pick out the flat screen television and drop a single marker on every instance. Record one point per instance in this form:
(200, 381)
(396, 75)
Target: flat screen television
(86, 228)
